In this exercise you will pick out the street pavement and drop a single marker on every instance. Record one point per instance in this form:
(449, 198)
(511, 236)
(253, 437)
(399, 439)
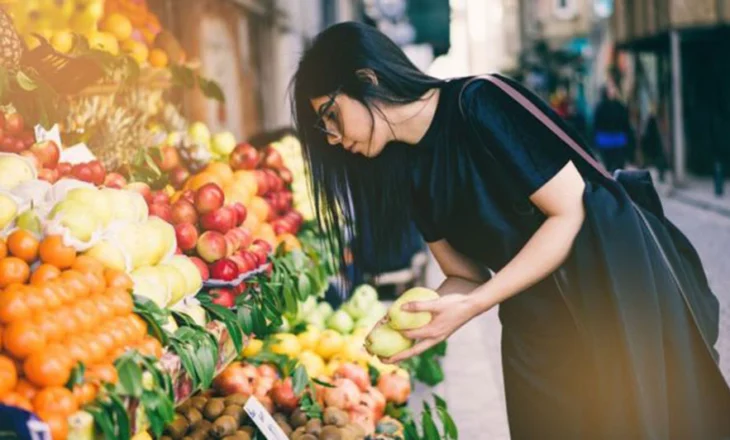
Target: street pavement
(474, 384)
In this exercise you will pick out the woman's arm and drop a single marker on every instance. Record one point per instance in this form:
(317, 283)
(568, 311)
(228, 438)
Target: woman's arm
(462, 273)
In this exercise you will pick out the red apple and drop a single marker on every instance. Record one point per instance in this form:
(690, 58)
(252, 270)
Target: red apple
(47, 174)
(168, 158)
(160, 197)
(32, 158)
(115, 180)
(98, 172)
(275, 182)
(223, 297)
(184, 212)
(188, 195)
(241, 212)
(47, 152)
(82, 172)
(224, 269)
(263, 244)
(244, 157)
(187, 236)
(141, 188)
(280, 228)
(241, 263)
(262, 182)
(246, 237)
(240, 289)
(273, 159)
(28, 138)
(211, 246)
(233, 240)
(286, 176)
(221, 220)
(252, 261)
(208, 198)
(161, 210)
(202, 267)
(178, 177)
(64, 169)
(14, 123)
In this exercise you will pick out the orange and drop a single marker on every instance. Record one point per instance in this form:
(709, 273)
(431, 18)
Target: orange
(121, 301)
(24, 245)
(260, 208)
(8, 375)
(13, 270)
(222, 170)
(33, 298)
(3, 249)
(84, 393)
(68, 320)
(201, 179)
(26, 389)
(66, 295)
(55, 399)
(86, 314)
(85, 263)
(105, 340)
(57, 423)
(95, 281)
(246, 179)
(158, 58)
(119, 279)
(23, 338)
(119, 335)
(117, 25)
(13, 306)
(53, 251)
(139, 325)
(150, 347)
(76, 282)
(51, 328)
(49, 295)
(43, 273)
(17, 400)
(95, 350)
(105, 373)
(1, 338)
(103, 306)
(47, 369)
(78, 349)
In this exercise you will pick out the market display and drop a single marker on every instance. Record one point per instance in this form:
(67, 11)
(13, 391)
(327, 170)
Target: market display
(159, 280)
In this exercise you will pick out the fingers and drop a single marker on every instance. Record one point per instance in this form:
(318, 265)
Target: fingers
(422, 306)
(417, 349)
(428, 331)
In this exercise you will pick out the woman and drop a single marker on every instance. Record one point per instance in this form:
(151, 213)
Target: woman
(598, 342)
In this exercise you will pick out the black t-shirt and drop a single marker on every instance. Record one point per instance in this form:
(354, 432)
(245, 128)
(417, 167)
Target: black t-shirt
(475, 172)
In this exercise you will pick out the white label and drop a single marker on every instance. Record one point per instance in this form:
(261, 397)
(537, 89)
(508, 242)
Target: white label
(77, 154)
(54, 134)
(263, 420)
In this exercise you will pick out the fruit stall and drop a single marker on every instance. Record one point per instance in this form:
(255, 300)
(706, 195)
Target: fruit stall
(159, 280)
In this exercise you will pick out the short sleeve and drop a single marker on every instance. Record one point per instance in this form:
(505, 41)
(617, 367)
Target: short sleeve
(529, 150)
(425, 223)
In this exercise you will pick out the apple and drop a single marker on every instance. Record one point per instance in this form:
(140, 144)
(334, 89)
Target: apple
(186, 235)
(244, 157)
(211, 246)
(240, 289)
(32, 158)
(159, 198)
(402, 320)
(115, 180)
(82, 172)
(246, 237)
(221, 220)
(162, 211)
(49, 175)
(262, 182)
(283, 395)
(202, 268)
(273, 159)
(233, 238)
(280, 228)
(188, 195)
(168, 158)
(241, 213)
(14, 124)
(184, 212)
(98, 172)
(275, 182)
(143, 189)
(223, 297)
(178, 177)
(28, 138)
(233, 379)
(47, 152)
(252, 262)
(383, 341)
(286, 176)
(64, 169)
(341, 322)
(208, 198)
(241, 263)
(260, 254)
(223, 143)
(224, 269)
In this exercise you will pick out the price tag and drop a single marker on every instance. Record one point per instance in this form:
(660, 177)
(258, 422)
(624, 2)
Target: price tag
(263, 420)
(54, 134)
(77, 154)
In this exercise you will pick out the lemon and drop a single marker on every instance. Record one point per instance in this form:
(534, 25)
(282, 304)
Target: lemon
(104, 41)
(286, 343)
(253, 348)
(329, 344)
(62, 41)
(138, 51)
(117, 25)
(312, 362)
(308, 339)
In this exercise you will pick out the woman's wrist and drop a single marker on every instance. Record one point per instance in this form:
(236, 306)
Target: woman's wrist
(481, 299)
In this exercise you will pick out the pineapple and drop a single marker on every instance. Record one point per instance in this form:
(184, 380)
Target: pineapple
(11, 46)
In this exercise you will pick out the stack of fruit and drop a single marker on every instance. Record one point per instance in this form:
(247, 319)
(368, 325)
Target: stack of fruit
(67, 310)
(291, 152)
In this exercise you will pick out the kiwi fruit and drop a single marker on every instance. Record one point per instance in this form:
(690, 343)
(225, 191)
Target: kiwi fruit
(234, 411)
(214, 408)
(198, 402)
(330, 433)
(238, 435)
(224, 425)
(236, 399)
(193, 416)
(202, 425)
(335, 416)
(298, 433)
(198, 435)
(249, 429)
(314, 426)
(165, 437)
(298, 418)
(178, 427)
(308, 437)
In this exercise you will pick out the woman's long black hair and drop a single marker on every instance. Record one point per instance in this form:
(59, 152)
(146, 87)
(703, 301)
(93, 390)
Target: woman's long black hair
(363, 202)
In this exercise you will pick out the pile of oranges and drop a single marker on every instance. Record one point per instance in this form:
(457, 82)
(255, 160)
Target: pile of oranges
(58, 309)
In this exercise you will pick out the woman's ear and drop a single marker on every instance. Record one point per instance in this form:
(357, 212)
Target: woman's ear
(367, 75)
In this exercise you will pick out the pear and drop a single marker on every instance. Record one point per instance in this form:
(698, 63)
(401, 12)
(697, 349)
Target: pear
(402, 320)
(98, 204)
(191, 274)
(29, 221)
(75, 216)
(15, 170)
(8, 210)
(383, 341)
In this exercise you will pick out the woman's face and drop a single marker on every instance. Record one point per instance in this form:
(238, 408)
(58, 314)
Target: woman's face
(348, 123)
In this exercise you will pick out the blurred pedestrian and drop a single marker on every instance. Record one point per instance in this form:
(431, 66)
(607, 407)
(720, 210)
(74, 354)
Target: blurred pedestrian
(612, 133)
(652, 147)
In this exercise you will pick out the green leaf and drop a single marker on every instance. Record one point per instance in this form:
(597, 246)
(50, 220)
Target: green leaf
(102, 420)
(121, 417)
(211, 89)
(130, 377)
(323, 383)
(374, 375)
(290, 302)
(25, 82)
(411, 431)
(430, 372)
(430, 431)
(304, 286)
(300, 380)
(437, 350)
(183, 76)
(77, 375)
(230, 320)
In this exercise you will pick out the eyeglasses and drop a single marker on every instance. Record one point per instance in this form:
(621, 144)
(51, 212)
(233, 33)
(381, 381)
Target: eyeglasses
(327, 120)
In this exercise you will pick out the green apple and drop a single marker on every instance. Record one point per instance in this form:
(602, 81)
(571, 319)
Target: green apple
(383, 341)
(402, 320)
(223, 143)
(315, 320)
(75, 216)
(324, 309)
(306, 308)
(199, 133)
(8, 210)
(340, 321)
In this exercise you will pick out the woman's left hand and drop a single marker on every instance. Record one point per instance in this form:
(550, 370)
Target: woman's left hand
(449, 313)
